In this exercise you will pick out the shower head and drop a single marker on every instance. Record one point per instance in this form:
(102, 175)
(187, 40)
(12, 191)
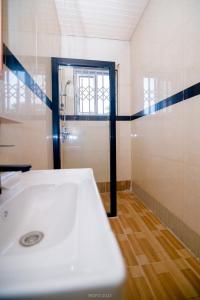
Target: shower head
(65, 88)
(66, 84)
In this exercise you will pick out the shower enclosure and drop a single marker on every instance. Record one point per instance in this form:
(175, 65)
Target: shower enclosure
(84, 129)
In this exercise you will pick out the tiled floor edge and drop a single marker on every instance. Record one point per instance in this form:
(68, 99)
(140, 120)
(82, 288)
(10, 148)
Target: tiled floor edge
(190, 238)
(122, 185)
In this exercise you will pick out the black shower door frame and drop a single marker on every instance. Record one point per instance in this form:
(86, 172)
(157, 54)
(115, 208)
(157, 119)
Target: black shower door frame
(55, 63)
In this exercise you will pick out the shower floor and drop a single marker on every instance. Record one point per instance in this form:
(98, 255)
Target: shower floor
(158, 265)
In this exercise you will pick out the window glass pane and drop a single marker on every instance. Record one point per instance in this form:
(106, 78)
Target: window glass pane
(84, 82)
(106, 94)
(86, 94)
(100, 107)
(106, 107)
(85, 106)
(99, 81)
(106, 81)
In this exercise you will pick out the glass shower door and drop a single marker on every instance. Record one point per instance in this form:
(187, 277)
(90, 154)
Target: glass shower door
(84, 127)
(84, 110)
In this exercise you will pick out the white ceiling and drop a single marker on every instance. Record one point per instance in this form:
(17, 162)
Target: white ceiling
(112, 19)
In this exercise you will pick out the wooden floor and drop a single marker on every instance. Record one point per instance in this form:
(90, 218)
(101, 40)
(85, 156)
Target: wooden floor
(158, 265)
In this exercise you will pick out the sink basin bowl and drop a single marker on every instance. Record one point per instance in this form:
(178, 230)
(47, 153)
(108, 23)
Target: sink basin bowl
(55, 239)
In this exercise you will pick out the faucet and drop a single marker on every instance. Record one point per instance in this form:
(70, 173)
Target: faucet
(13, 168)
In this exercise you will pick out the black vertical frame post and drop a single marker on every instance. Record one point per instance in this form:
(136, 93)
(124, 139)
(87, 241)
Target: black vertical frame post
(55, 63)
(113, 179)
(55, 114)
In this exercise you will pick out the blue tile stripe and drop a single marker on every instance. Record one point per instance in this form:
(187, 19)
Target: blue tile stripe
(16, 67)
(192, 91)
(158, 106)
(188, 93)
(123, 118)
(92, 118)
(84, 118)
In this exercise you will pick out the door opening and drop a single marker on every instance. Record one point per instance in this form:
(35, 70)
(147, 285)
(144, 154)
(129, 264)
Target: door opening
(84, 116)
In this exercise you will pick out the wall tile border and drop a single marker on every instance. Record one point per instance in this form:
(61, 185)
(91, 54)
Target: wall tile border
(186, 94)
(16, 67)
(92, 118)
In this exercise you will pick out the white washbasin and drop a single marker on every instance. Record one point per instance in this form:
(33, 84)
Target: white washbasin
(77, 257)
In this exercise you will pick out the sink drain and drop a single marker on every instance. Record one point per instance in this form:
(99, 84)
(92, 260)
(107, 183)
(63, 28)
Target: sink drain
(31, 238)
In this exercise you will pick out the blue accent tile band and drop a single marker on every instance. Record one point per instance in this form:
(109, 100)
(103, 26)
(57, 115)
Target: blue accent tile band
(188, 93)
(92, 118)
(192, 91)
(84, 118)
(123, 118)
(174, 99)
(16, 67)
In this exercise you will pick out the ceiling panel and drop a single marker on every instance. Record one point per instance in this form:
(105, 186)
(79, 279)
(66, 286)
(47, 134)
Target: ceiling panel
(113, 19)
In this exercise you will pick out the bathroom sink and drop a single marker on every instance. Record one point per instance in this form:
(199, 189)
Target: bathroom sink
(55, 239)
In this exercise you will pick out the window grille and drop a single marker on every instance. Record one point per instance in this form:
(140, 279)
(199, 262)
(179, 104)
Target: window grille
(92, 91)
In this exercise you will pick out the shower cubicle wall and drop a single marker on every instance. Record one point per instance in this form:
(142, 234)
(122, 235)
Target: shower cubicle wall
(85, 136)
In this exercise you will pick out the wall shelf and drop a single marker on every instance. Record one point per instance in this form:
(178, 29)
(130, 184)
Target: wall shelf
(7, 119)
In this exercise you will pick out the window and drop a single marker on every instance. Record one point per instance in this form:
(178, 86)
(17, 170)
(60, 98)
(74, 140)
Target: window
(92, 91)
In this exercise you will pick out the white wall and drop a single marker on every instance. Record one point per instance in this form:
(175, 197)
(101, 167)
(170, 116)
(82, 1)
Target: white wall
(166, 145)
(103, 49)
(89, 149)
(33, 38)
(117, 51)
(26, 35)
(164, 48)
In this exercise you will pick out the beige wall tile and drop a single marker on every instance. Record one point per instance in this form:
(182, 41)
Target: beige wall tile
(166, 145)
